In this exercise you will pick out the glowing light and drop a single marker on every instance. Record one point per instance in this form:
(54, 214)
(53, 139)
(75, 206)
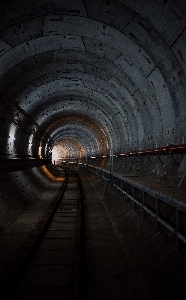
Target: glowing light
(30, 144)
(40, 151)
(12, 133)
(50, 175)
(55, 154)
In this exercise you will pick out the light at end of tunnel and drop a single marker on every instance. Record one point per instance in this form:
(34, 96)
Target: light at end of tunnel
(55, 154)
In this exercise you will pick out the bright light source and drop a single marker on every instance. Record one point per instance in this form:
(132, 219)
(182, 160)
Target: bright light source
(12, 133)
(55, 154)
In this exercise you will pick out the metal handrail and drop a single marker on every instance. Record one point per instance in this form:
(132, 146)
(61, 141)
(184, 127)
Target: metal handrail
(180, 207)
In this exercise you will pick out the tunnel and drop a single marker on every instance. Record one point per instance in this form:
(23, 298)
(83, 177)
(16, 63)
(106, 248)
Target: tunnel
(98, 86)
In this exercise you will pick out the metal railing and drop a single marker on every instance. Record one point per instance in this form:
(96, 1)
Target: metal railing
(167, 211)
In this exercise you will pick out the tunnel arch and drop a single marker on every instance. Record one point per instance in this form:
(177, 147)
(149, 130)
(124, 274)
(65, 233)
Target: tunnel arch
(121, 56)
(139, 73)
(102, 82)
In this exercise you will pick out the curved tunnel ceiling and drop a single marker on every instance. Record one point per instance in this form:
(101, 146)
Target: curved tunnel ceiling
(89, 76)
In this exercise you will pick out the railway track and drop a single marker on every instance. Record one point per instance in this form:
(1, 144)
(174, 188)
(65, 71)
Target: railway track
(55, 266)
(64, 263)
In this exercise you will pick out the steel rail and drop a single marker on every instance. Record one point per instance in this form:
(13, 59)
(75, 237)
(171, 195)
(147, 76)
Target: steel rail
(79, 290)
(9, 289)
(82, 283)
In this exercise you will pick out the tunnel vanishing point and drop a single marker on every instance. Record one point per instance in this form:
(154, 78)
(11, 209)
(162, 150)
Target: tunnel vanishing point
(93, 83)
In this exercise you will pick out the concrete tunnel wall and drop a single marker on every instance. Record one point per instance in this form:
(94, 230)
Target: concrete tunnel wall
(87, 77)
